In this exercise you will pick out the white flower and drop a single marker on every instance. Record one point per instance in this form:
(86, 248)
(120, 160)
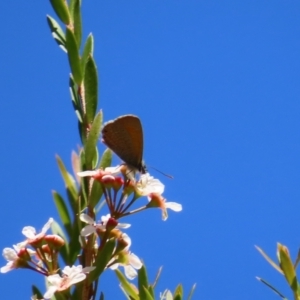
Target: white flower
(156, 200)
(31, 234)
(71, 276)
(11, 255)
(92, 225)
(132, 264)
(148, 185)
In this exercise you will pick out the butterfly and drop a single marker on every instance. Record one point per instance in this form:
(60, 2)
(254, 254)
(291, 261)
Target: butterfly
(124, 136)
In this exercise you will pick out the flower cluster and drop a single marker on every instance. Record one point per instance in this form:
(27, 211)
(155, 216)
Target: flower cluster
(39, 252)
(121, 192)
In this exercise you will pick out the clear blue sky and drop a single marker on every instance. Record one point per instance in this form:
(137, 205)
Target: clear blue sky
(216, 85)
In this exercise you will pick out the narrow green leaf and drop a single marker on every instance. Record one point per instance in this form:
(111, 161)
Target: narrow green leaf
(178, 290)
(297, 260)
(271, 287)
(64, 250)
(177, 297)
(157, 277)
(127, 286)
(91, 89)
(142, 282)
(77, 294)
(73, 201)
(85, 181)
(73, 56)
(90, 147)
(61, 9)
(82, 133)
(96, 194)
(62, 211)
(74, 245)
(67, 177)
(88, 50)
(191, 293)
(103, 257)
(287, 267)
(76, 15)
(106, 159)
(60, 296)
(36, 291)
(146, 295)
(151, 291)
(269, 260)
(75, 165)
(75, 98)
(57, 33)
(71, 5)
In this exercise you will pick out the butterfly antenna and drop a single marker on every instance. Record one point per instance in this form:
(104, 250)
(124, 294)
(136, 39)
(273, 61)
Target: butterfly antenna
(167, 175)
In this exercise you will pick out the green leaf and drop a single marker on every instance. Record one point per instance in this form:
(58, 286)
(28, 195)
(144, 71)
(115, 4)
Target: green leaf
(61, 9)
(106, 159)
(64, 250)
(127, 286)
(57, 33)
(74, 245)
(96, 194)
(75, 98)
(179, 290)
(146, 295)
(103, 257)
(88, 50)
(75, 165)
(142, 282)
(85, 181)
(157, 277)
(191, 293)
(67, 177)
(60, 296)
(62, 211)
(71, 5)
(82, 133)
(91, 89)
(90, 147)
(271, 287)
(76, 15)
(36, 291)
(269, 260)
(73, 55)
(287, 267)
(69, 183)
(77, 294)
(151, 291)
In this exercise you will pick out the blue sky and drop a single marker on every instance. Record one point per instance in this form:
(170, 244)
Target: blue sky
(216, 85)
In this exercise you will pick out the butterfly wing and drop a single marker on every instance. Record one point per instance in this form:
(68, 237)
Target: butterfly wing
(124, 136)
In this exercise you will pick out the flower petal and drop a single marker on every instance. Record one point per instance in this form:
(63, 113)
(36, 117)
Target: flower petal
(130, 272)
(50, 292)
(173, 206)
(87, 230)
(86, 219)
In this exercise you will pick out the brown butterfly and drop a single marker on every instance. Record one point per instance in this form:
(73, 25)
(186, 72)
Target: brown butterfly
(124, 136)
